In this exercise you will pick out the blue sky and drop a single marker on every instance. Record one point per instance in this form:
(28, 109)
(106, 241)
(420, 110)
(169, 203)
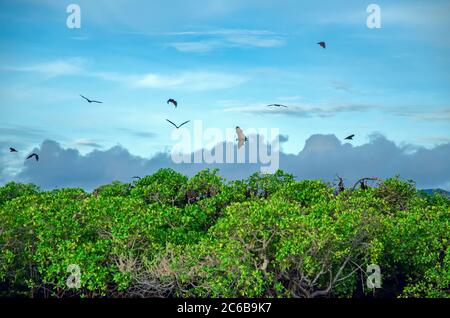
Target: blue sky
(224, 61)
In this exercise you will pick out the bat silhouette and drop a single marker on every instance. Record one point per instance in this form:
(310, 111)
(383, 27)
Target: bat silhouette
(350, 137)
(276, 105)
(179, 125)
(173, 101)
(33, 155)
(91, 101)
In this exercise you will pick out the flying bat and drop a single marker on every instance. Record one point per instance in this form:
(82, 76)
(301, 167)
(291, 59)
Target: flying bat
(179, 125)
(241, 137)
(12, 150)
(350, 137)
(33, 155)
(173, 101)
(91, 101)
(323, 44)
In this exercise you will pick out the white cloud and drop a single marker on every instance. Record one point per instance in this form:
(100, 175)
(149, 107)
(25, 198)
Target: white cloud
(301, 111)
(226, 38)
(195, 47)
(87, 143)
(256, 41)
(63, 67)
(442, 114)
(223, 32)
(198, 81)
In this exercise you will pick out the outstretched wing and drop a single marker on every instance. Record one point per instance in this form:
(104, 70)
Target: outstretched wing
(172, 123)
(33, 155)
(240, 134)
(184, 123)
(90, 100)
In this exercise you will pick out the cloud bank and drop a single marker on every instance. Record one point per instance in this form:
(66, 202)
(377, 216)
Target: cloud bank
(302, 111)
(194, 80)
(322, 157)
(227, 38)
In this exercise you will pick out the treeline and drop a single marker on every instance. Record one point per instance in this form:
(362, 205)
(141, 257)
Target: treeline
(167, 235)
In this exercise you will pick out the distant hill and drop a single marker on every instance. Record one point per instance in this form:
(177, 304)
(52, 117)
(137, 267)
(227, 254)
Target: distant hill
(433, 191)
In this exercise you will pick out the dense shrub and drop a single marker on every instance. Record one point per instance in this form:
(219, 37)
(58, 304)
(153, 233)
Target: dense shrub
(115, 189)
(163, 187)
(13, 190)
(267, 236)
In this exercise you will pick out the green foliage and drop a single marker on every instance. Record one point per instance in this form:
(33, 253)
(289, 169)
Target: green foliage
(398, 194)
(163, 187)
(13, 190)
(306, 193)
(115, 189)
(267, 236)
(265, 185)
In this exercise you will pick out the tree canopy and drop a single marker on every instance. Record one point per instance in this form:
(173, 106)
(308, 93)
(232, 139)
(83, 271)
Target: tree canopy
(168, 235)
